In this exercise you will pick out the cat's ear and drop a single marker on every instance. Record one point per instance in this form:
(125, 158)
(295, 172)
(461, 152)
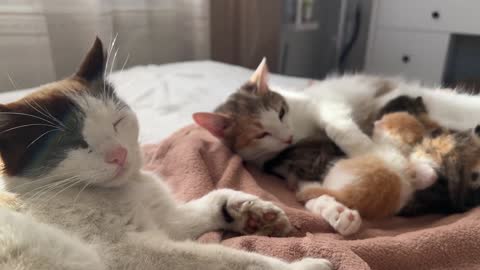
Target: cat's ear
(260, 78)
(419, 101)
(93, 65)
(476, 134)
(215, 123)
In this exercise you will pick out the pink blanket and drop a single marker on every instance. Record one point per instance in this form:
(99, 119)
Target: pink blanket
(194, 163)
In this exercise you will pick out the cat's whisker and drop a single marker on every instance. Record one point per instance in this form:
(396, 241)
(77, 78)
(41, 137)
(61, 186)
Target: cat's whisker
(112, 65)
(33, 107)
(26, 114)
(39, 191)
(49, 114)
(34, 182)
(41, 113)
(45, 189)
(11, 81)
(125, 62)
(74, 182)
(39, 137)
(106, 65)
(113, 62)
(29, 125)
(81, 190)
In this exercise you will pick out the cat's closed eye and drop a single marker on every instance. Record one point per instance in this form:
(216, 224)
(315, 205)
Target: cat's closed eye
(263, 135)
(281, 114)
(115, 124)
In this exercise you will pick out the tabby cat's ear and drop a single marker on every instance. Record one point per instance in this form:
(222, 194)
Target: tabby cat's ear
(215, 123)
(93, 65)
(260, 78)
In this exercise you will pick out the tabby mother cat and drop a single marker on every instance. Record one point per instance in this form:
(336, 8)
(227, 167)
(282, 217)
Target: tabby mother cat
(71, 153)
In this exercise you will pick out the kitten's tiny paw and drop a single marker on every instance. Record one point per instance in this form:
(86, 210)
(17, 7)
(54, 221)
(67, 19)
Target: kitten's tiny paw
(255, 216)
(344, 220)
(312, 264)
(425, 176)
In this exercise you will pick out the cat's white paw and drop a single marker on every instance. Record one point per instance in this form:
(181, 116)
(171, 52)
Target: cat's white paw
(425, 175)
(252, 215)
(344, 220)
(312, 264)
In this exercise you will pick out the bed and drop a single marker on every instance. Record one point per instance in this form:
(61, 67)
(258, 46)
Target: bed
(165, 96)
(193, 163)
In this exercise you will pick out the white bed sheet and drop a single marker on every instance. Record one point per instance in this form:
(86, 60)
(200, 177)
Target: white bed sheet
(165, 96)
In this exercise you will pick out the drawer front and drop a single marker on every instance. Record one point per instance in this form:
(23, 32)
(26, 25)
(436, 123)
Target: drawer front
(443, 15)
(419, 56)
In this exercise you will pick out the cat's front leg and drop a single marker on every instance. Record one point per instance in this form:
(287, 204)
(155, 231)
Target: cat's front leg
(151, 251)
(340, 127)
(227, 209)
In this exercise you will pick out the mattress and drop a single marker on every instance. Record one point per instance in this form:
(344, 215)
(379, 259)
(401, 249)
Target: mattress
(165, 96)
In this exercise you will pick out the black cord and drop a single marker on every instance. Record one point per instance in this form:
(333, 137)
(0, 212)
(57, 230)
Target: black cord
(349, 46)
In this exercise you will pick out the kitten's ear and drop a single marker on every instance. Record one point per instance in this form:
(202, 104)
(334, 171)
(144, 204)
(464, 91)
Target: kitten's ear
(260, 77)
(93, 65)
(215, 123)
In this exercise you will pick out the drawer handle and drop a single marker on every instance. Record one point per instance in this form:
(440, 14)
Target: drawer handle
(436, 15)
(405, 58)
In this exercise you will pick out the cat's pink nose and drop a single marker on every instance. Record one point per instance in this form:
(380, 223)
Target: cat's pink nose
(117, 155)
(289, 140)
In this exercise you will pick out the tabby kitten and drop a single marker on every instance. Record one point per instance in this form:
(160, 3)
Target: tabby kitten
(307, 160)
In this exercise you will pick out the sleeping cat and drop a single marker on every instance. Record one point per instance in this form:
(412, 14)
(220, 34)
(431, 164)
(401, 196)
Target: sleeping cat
(378, 183)
(71, 153)
(258, 123)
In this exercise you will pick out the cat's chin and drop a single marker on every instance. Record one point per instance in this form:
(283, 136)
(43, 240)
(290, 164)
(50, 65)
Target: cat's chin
(120, 178)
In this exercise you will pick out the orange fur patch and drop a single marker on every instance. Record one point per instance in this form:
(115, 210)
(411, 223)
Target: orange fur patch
(9, 200)
(404, 127)
(435, 148)
(375, 193)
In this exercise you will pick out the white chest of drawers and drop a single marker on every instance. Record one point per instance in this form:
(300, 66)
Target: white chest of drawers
(411, 37)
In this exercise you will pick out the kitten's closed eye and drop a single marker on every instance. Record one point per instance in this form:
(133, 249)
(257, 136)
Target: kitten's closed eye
(263, 135)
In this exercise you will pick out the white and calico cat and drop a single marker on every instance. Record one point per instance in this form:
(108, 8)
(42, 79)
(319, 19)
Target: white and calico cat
(71, 154)
(258, 122)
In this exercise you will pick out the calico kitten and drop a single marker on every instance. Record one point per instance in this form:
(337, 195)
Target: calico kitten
(455, 157)
(71, 153)
(378, 183)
